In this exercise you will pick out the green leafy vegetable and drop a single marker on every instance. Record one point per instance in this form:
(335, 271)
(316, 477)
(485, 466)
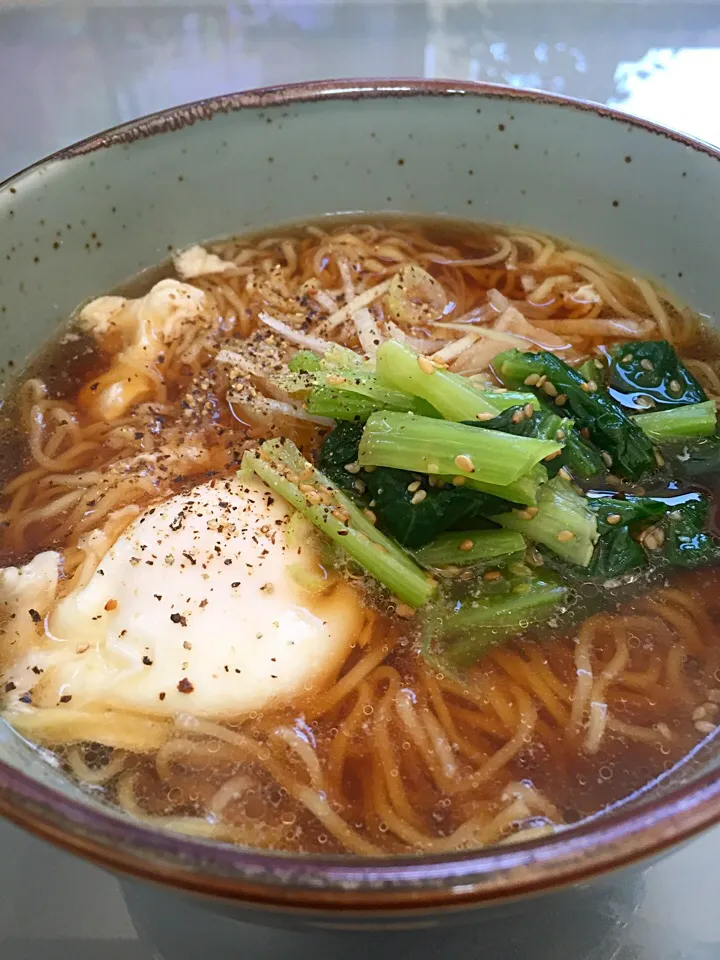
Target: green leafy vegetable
(692, 420)
(421, 444)
(629, 451)
(406, 506)
(470, 547)
(280, 464)
(649, 373)
(465, 623)
(563, 522)
(687, 542)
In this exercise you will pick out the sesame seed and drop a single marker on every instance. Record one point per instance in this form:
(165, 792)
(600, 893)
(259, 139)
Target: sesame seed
(643, 401)
(353, 467)
(483, 417)
(463, 462)
(704, 726)
(551, 456)
(607, 459)
(564, 473)
(714, 696)
(522, 515)
(418, 497)
(659, 459)
(359, 485)
(675, 386)
(492, 575)
(434, 468)
(541, 381)
(518, 416)
(532, 379)
(664, 730)
(627, 358)
(466, 545)
(529, 410)
(565, 536)
(550, 389)
(533, 511)
(647, 364)
(335, 380)
(426, 365)
(559, 435)
(590, 386)
(403, 610)
(699, 713)
(459, 481)
(371, 516)
(561, 400)
(111, 605)
(412, 487)
(614, 518)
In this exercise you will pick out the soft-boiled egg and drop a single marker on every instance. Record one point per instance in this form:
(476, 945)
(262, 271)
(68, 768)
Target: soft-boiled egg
(195, 608)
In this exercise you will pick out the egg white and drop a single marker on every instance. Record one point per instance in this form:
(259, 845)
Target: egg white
(194, 609)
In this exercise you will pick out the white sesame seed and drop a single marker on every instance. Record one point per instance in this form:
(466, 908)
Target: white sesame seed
(705, 727)
(699, 713)
(607, 459)
(353, 467)
(463, 462)
(418, 497)
(659, 459)
(675, 386)
(412, 487)
(486, 415)
(550, 389)
(459, 481)
(565, 536)
(404, 611)
(433, 468)
(564, 473)
(647, 364)
(532, 379)
(664, 730)
(627, 358)
(613, 518)
(561, 400)
(644, 401)
(529, 410)
(426, 365)
(714, 696)
(466, 545)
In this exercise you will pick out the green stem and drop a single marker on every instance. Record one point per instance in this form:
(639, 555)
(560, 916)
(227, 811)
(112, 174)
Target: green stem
(421, 444)
(691, 420)
(564, 522)
(281, 465)
(471, 546)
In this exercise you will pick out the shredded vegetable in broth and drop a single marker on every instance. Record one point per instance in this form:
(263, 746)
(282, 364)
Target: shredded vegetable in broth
(369, 537)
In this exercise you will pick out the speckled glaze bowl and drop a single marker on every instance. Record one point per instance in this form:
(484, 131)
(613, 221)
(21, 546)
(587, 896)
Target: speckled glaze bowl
(84, 220)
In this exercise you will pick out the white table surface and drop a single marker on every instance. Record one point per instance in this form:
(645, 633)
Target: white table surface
(71, 68)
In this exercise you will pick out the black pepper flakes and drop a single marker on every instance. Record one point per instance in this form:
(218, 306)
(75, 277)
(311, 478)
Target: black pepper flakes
(34, 616)
(66, 698)
(147, 661)
(178, 618)
(184, 686)
(10, 686)
(161, 696)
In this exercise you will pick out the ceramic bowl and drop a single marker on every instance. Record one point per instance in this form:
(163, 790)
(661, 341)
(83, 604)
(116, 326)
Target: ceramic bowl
(79, 223)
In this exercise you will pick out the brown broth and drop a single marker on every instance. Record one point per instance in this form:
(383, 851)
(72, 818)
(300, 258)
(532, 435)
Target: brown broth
(483, 708)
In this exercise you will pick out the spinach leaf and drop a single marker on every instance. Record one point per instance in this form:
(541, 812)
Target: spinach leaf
(341, 448)
(542, 424)
(631, 452)
(413, 524)
(443, 508)
(616, 553)
(693, 459)
(651, 369)
(687, 544)
(620, 520)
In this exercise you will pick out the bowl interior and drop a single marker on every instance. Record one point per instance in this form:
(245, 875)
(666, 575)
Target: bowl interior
(83, 222)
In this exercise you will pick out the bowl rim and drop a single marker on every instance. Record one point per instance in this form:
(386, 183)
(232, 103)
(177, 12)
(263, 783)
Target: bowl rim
(406, 883)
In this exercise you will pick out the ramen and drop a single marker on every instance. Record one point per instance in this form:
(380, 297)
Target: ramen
(368, 537)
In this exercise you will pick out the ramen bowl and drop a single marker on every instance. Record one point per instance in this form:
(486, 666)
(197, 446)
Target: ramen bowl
(81, 222)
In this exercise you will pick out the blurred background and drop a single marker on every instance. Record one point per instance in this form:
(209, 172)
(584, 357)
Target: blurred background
(73, 67)
(68, 69)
